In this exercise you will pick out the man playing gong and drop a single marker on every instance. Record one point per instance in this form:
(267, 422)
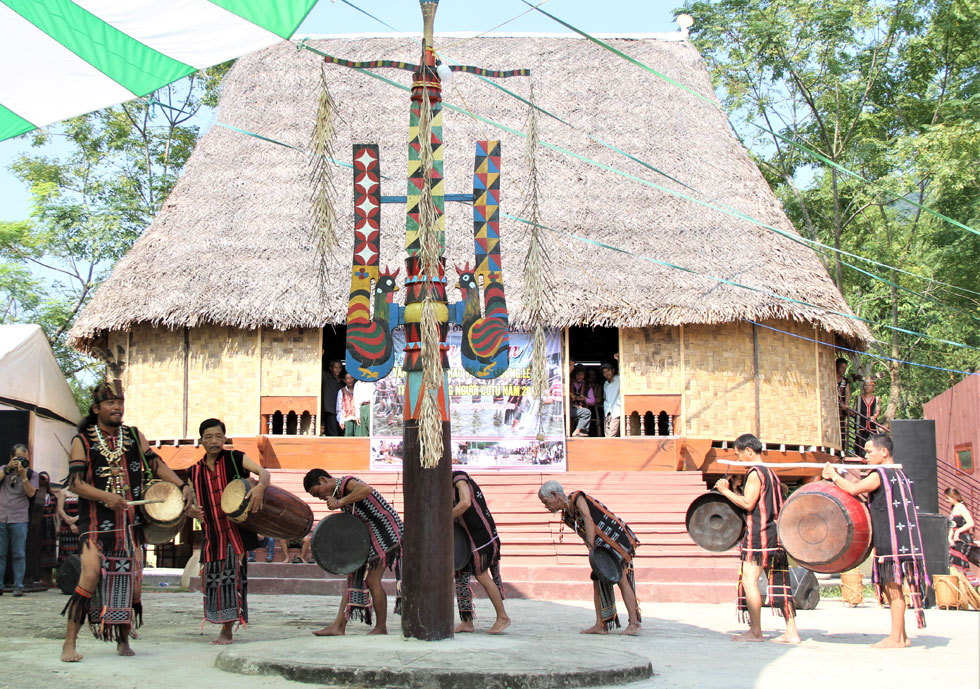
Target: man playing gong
(363, 587)
(761, 498)
(471, 512)
(899, 556)
(108, 466)
(600, 528)
(225, 546)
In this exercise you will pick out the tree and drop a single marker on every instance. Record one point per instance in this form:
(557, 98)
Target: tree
(853, 109)
(91, 203)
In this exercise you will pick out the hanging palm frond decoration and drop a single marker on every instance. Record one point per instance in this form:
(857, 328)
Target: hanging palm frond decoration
(323, 227)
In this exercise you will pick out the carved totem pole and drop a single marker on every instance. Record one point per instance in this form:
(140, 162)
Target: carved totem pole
(427, 579)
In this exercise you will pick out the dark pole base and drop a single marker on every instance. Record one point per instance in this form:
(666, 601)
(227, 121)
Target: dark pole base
(427, 549)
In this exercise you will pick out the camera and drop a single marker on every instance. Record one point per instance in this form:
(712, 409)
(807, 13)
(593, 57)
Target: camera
(23, 462)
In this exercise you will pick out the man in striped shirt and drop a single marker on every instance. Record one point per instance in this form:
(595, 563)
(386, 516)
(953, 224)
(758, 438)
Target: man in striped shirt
(761, 498)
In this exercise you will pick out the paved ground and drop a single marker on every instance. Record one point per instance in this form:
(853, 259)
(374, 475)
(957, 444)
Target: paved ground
(688, 646)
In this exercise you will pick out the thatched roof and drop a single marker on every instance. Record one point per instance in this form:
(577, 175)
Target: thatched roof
(231, 247)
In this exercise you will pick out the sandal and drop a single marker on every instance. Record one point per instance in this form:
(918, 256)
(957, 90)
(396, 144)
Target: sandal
(296, 560)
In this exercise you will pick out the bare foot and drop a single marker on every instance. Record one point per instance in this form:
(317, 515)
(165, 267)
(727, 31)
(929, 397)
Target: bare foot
(466, 626)
(332, 630)
(500, 625)
(69, 654)
(632, 629)
(378, 629)
(787, 639)
(123, 649)
(748, 636)
(594, 629)
(224, 637)
(889, 642)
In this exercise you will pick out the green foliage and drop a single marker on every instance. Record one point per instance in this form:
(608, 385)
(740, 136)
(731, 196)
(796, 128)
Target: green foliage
(887, 90)
(107, 177)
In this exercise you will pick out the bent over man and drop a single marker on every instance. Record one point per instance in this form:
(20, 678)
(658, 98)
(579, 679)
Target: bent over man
(385, 527)
(471, 512)
(600, 528)
(761, 498)
(224, 574)
(108, 465)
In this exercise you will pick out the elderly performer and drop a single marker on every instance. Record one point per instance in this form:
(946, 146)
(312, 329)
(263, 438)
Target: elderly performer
(385, 527)
(899, 557)
(600, 528)
(762, 499)
(470, 511)
(108, 464)
(225, 546)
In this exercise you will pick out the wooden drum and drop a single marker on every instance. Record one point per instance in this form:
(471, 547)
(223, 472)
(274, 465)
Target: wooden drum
(162, 520)
(824, 529)
(283, 515)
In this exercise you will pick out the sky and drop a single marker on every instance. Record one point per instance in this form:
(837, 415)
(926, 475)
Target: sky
(338, 16)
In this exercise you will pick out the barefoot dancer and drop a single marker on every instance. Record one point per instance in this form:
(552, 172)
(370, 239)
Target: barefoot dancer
(600, 528)
(761, 499)
(471, 512)
(898, 556)
(224, 546)
(108, 462)
(385, 526)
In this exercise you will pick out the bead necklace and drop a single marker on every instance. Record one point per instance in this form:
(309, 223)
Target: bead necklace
(111, 455)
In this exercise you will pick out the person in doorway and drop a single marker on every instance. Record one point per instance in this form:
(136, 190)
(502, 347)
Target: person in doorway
(761, 499)
(867, 407)
(582, 399)
(354, 407)
(332, 382)
(611, 400)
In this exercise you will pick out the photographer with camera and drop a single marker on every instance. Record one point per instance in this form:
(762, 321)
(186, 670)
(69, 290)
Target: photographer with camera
(17, 487)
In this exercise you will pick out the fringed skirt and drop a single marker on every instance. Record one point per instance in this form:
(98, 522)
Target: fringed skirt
(779, 591)
(358, 604)
(113, 610)
(961, 553)
(889, 569)
(607, 599)
(225, 584)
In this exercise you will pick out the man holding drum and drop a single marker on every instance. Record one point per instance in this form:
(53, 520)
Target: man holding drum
(363, 587)
(602, 531)
(225, 546)
(761, 498)
(108, 462)
(470, 511)
(898, 553)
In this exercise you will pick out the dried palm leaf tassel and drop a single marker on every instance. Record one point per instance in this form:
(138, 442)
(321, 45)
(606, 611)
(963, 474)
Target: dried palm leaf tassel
(430, 416)
(323, 230)
(537, 284)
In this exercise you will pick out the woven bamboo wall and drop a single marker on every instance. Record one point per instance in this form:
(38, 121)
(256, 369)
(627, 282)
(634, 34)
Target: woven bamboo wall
(291, 362)
(719, 393)
(828, 388)
(154, 380)
(223, 379)
(789, 405)
(651, 361)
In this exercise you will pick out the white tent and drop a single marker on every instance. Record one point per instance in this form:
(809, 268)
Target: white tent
(36, 405)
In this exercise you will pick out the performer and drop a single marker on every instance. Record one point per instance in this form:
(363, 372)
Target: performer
(471, 512)
(67, 510)
(600, 528)
(385, 526)
(108, 462)
(899, 556)
(962, 549)
(761, 498)
(224, 548)
(867, 406)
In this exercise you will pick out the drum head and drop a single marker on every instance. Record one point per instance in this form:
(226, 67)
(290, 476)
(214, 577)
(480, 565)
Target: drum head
(233, 500)
(605, 565)
(69, 572)
(461, 548)
(714, 523)
(172, 507)
(341, 543)
(814, 529)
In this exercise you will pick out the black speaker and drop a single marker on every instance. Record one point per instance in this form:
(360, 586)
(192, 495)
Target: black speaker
(803, 583)
(915, 450)
(935, 543)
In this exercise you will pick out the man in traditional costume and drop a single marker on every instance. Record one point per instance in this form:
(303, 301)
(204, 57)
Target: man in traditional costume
(385, 527)
(898, 553)
(109, 464)
(470, 511)
(600, 528)
(762, 499)
(225, 546)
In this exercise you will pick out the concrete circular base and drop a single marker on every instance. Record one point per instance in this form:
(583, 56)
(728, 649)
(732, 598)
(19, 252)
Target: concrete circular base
(469, 661)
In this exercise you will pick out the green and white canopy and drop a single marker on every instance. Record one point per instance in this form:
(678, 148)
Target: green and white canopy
(64, 58)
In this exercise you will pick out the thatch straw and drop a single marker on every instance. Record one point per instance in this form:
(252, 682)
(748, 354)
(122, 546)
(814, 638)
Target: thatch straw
(231, 247)
(323, 230)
